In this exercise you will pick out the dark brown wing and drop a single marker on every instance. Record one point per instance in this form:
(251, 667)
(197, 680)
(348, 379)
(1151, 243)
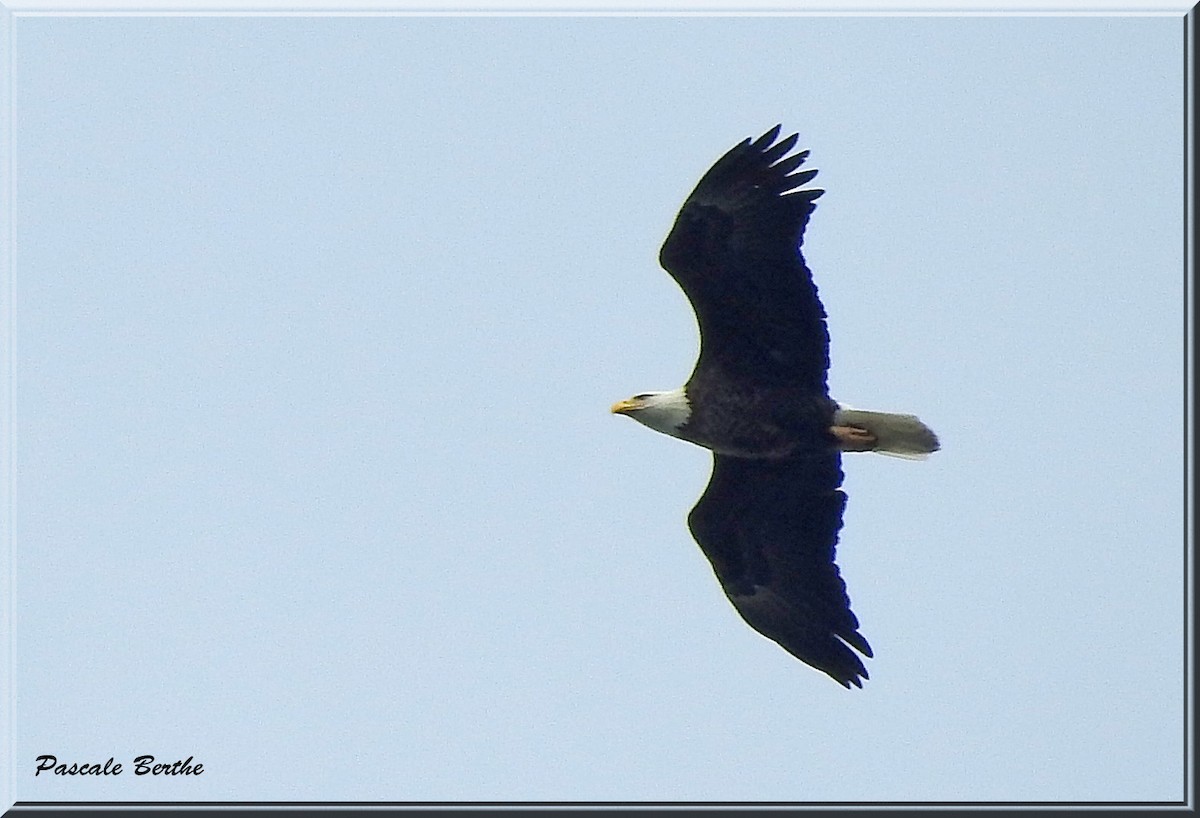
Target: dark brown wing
(770, 527)
(735, 251)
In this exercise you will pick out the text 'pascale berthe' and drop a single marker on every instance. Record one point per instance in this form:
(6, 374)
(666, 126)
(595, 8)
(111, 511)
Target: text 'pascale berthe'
(142, 765)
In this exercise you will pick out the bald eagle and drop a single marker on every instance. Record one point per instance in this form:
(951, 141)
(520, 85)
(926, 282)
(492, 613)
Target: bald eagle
(759, 399)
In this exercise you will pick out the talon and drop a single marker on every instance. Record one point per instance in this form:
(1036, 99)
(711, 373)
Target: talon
(853, 438)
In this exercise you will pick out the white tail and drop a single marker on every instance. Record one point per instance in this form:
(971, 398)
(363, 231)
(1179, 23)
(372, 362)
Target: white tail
(896, 435)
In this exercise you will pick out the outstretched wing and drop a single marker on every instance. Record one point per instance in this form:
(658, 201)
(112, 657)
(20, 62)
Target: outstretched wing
(735, 251)
(770, 527)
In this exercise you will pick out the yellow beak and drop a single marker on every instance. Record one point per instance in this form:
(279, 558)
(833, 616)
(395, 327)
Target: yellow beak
(624, 407)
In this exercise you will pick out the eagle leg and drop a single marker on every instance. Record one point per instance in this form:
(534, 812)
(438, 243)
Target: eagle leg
(853, 438)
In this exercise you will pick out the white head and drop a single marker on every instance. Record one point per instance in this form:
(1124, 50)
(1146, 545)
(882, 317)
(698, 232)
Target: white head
(664, 412)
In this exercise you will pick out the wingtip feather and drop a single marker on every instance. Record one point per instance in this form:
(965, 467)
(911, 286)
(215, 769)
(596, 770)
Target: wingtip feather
(767, 138)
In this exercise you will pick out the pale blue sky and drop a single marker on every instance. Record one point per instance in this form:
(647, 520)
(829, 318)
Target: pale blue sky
(316, 326)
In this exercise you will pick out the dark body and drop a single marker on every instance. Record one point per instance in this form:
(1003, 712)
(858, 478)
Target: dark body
(770, 517)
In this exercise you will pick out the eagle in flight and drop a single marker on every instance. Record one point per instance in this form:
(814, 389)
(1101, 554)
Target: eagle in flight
(758, 398)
